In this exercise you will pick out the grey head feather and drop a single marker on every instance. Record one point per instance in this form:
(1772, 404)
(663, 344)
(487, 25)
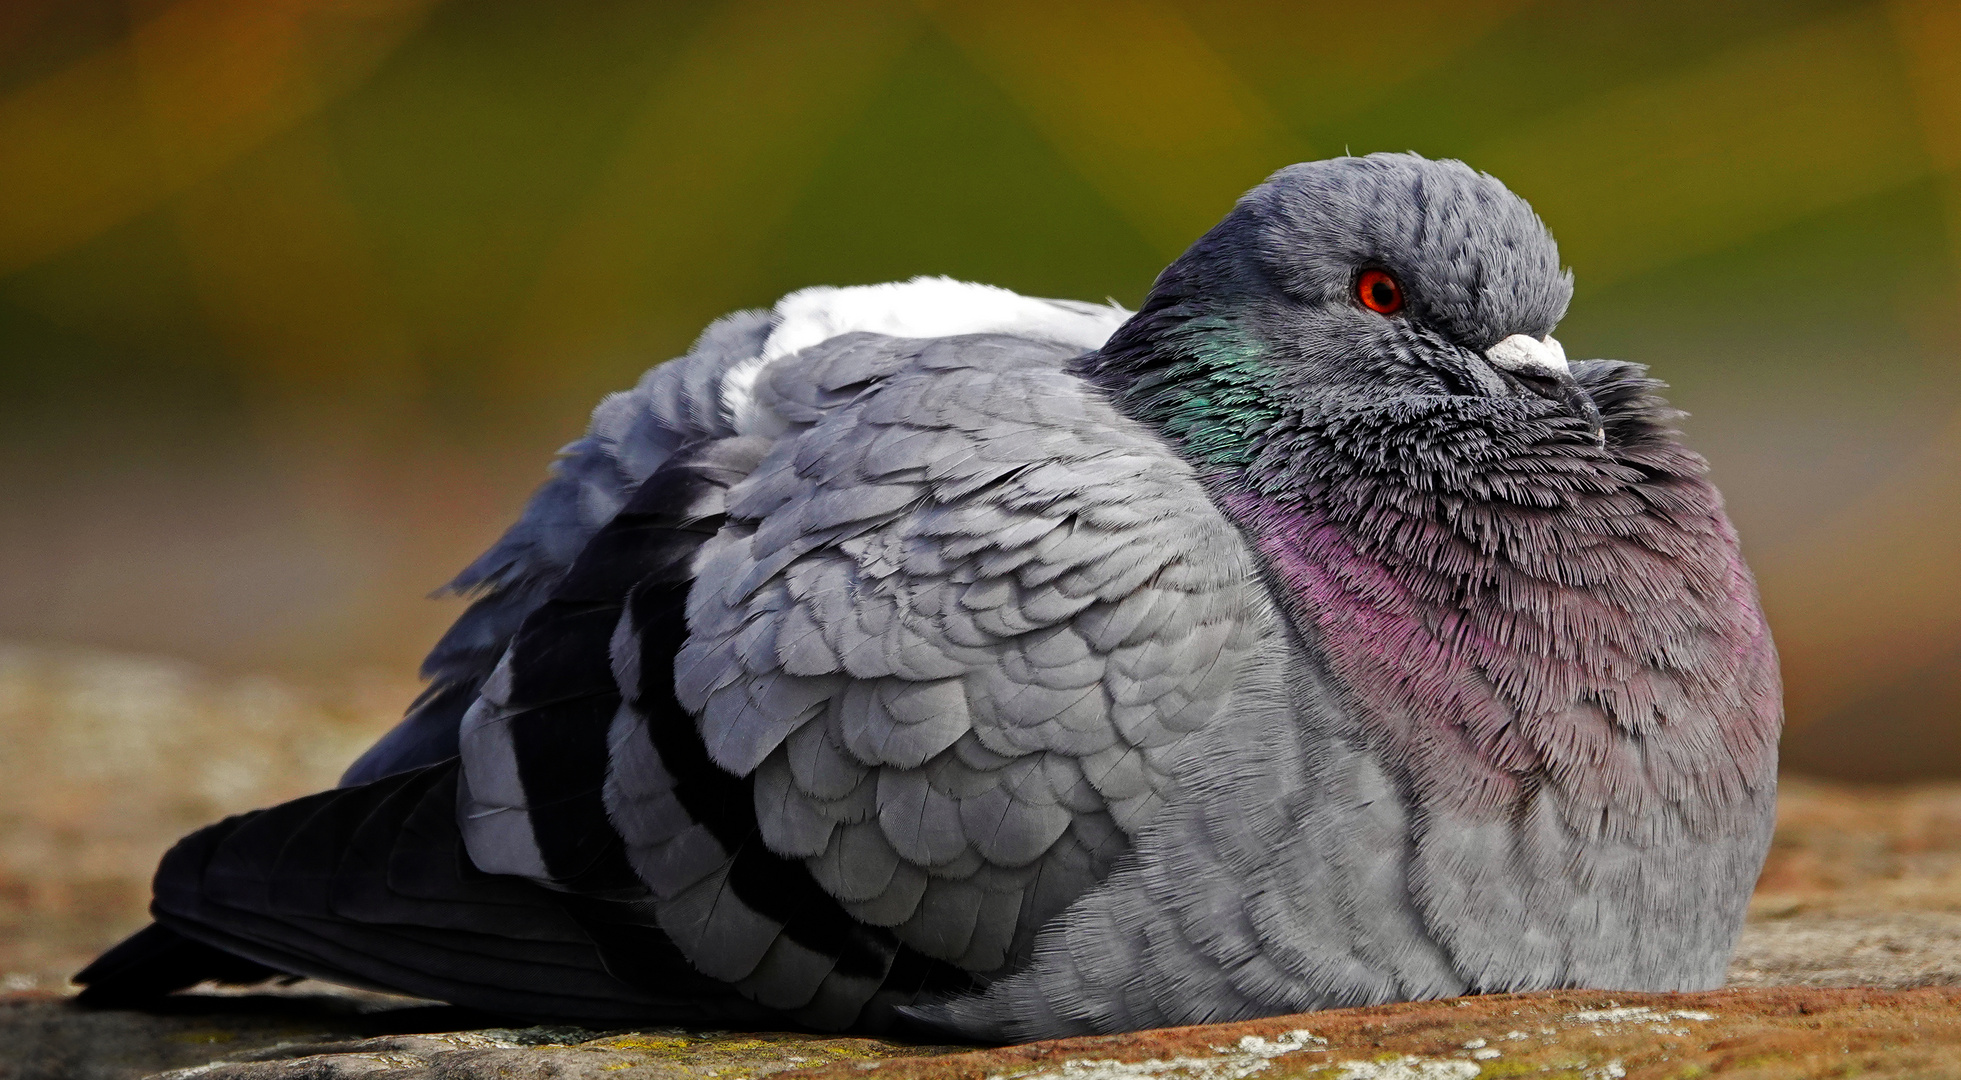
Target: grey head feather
(1276, 281)
(1475, 261)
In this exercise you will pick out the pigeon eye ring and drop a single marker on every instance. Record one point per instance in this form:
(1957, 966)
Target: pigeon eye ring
(1379, 292)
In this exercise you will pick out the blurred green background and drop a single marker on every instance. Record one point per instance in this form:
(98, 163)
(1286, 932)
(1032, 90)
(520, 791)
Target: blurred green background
(297, 297)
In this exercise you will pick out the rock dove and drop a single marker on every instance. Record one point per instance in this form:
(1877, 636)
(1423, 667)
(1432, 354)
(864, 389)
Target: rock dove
(926, 654)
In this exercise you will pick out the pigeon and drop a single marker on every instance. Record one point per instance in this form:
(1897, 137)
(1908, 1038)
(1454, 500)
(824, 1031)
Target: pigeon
(927, 657)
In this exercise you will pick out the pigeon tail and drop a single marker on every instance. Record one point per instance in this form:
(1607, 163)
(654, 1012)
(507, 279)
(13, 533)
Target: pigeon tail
(370, 886)
(157, 960)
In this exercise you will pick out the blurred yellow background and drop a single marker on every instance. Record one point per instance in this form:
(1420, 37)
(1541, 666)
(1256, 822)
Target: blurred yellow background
(297, 297)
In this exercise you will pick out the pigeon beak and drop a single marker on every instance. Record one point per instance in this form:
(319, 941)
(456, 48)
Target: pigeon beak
(1540, 366)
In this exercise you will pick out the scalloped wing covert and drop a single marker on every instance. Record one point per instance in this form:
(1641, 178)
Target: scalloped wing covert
(947, 616)
(957, 618)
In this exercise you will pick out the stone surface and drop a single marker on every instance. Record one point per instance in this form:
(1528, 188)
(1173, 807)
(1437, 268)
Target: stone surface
(1775, 1032)
(312, 1031)
(44, 1036)
(1784, 1032)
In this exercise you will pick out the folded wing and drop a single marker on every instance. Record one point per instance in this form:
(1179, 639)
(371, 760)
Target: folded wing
(862, 698)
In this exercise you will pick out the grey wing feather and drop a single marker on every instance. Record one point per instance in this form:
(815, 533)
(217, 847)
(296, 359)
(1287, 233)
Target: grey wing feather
(920, 587)
(632, 433)
(916, 629)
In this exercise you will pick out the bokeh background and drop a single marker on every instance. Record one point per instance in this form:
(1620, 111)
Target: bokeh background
(297, 297)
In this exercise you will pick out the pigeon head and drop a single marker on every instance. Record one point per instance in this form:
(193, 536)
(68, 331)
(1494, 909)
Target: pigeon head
(1363, 280)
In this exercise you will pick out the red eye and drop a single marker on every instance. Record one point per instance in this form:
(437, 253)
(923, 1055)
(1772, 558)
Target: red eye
(1379, 292)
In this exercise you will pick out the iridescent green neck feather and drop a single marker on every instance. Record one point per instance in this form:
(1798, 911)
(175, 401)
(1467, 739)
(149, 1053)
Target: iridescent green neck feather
(1204, 385)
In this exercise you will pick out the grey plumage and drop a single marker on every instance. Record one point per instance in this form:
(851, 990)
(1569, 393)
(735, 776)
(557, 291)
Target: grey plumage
(883, 622)
(916, 654)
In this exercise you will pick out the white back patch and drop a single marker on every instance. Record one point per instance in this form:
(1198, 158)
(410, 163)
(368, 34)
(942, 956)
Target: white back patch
(921, 308)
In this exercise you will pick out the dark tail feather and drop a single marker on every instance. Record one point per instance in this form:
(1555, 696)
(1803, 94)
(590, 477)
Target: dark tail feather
(371, 886)
(155, 961)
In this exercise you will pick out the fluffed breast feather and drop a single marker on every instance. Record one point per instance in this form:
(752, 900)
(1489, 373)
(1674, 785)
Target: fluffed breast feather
(950, 628)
